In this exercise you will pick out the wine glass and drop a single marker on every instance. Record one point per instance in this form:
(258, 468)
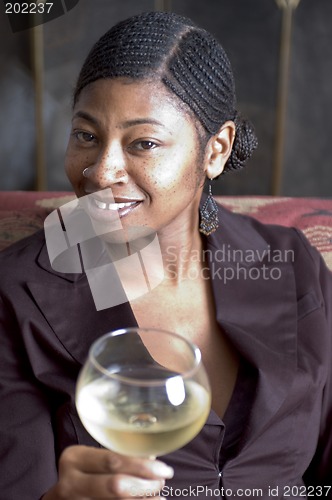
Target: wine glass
(143, 392)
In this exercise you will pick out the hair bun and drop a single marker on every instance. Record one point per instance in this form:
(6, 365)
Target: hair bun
(245, 143)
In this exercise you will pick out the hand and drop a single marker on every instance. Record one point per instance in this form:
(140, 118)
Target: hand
(87, 473)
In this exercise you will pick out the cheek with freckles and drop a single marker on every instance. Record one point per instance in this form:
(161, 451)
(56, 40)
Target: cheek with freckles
(174, 173)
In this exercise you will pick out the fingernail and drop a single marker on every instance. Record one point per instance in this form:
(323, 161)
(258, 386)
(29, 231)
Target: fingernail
(161, 469)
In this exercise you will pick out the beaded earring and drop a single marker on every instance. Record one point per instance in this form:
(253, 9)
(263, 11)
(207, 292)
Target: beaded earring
(209, 215)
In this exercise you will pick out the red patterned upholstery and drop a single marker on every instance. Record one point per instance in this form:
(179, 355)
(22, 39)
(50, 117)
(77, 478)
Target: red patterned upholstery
(23, 212)
(312, 215)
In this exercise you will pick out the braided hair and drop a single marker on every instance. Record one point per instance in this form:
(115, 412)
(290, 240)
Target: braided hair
(187, 59)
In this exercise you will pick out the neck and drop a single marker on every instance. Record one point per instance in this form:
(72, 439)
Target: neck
(181, 250)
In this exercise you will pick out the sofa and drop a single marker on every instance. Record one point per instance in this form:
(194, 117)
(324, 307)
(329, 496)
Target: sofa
(23, 212)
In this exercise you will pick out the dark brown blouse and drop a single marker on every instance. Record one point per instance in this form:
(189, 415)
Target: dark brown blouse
(282, 326)
(199, 465)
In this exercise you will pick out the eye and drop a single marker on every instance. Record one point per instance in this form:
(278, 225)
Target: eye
(84, 137)
(144, 145)
(148, 145)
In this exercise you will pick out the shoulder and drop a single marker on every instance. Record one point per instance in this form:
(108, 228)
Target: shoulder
(25, 243)
(288, 245)
(252, 230)
(26, 246)
(20, 258)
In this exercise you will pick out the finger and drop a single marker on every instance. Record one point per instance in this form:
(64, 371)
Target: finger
(99, 461)
(106, 486)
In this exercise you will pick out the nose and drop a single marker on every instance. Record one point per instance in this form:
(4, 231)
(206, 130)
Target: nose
(109, 168)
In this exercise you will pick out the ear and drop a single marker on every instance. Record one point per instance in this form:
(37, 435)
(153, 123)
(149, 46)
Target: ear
(219, 149)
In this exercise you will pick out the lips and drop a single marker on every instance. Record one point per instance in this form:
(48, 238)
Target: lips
(108, 209)
(115, 206)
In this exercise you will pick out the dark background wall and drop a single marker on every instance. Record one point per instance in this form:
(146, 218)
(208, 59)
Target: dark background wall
(250, 32)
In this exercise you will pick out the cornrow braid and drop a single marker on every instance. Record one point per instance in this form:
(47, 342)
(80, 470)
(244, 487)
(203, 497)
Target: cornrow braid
(211, 99)
(187, 59)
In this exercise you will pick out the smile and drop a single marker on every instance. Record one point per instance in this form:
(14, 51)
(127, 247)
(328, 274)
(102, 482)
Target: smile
(114, 206)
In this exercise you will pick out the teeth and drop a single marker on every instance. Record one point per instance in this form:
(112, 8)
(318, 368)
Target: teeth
(113, 206)
(100, 204)
(117, 206)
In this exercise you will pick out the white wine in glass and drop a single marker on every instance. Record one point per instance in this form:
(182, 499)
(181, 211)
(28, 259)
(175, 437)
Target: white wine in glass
(143, 392)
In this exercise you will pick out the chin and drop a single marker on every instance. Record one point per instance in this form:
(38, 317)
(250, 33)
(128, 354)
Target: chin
(128, 235)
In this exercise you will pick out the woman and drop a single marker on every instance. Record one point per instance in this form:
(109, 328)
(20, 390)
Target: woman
(154, 116)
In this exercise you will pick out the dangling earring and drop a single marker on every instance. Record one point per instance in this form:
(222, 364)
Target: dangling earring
(209, 215)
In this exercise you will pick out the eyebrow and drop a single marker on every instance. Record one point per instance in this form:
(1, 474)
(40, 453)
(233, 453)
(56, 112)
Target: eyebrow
(127, 124)
(86, 116)
(141, 121)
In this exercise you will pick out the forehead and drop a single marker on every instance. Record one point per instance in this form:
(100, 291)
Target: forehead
(126, 92)
(128, 96)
